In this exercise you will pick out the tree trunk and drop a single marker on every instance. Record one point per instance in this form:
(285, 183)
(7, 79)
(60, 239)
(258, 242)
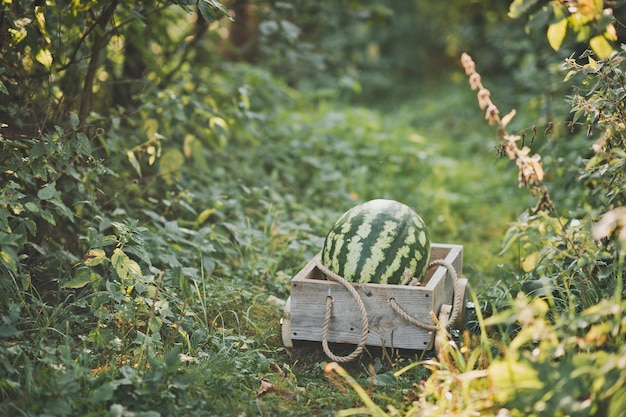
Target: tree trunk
(100, 40)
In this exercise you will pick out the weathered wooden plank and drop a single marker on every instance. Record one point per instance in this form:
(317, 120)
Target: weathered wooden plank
(308, 307)
(442, 281)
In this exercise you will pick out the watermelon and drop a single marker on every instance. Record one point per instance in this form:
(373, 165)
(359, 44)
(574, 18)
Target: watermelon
(376, 241)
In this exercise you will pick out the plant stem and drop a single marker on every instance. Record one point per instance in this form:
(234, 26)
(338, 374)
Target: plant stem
(619, 285)
(150, 317)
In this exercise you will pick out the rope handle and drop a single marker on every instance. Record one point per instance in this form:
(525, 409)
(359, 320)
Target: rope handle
(327, 315)
(459, 294)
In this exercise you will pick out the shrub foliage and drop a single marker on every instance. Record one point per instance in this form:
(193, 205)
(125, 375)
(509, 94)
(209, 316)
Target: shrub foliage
(150, 205)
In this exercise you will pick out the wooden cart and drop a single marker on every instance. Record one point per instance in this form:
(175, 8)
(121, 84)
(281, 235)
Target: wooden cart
(398, 316)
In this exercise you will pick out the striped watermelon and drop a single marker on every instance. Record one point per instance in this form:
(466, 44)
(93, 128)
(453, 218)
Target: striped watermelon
(376, 241)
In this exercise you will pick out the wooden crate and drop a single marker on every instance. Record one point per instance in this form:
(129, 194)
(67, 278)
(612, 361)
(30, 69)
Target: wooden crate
(304, 312)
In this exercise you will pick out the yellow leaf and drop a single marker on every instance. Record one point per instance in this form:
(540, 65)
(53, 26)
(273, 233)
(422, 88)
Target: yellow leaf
(510, 377)
(9, 260)
(530, 262)
(44, 57)
(601, 46)
(151, 126)
(187, 145)
(598, 333)
(152, 151)
(41, 22)
(202, 217)
(94, 257)
(219, 127)
(556, 33)
(593, 64)
(611, 33)
(127, 270)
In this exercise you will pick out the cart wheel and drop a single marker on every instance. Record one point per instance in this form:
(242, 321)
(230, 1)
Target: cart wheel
(461, 318)
(285, 321)
(444, 317)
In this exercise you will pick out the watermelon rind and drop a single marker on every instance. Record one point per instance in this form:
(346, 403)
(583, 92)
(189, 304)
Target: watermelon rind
(376, 241)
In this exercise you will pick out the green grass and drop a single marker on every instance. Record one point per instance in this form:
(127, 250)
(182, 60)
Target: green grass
(232, 231)
(432, 152)
(469, 193)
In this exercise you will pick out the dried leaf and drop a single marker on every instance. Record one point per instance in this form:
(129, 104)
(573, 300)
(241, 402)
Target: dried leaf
(289, 395)
(264, 387)
(277, 369)
(508, 117)
(536, 165)
(612, 221)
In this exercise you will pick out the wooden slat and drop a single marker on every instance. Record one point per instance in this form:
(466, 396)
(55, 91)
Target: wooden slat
(442, 283)
(308, 306)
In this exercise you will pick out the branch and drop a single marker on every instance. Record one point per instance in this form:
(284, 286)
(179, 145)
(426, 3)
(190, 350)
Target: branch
(99, 43)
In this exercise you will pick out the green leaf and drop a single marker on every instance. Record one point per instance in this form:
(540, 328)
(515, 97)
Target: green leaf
(172, 359)
(617, 404)
(134, 162)
(32, 207)
(140, 252)
(292, 31)
(9, 259)
(556, 34)
(3, 88)
(219, 127)
(512, 235)
(211, 10)
(82, 278)
(48, 192)
(103, 393)
(192, 148)
(74, 120)
(8, 331)
(520, 7)
(62, 209)
(83, 145)
(170, 165)
(47, 216)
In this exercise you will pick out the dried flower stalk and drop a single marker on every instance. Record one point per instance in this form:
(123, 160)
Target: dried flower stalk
(530, 169)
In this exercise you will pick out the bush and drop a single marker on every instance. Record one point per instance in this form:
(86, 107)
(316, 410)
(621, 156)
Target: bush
(553, 343)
